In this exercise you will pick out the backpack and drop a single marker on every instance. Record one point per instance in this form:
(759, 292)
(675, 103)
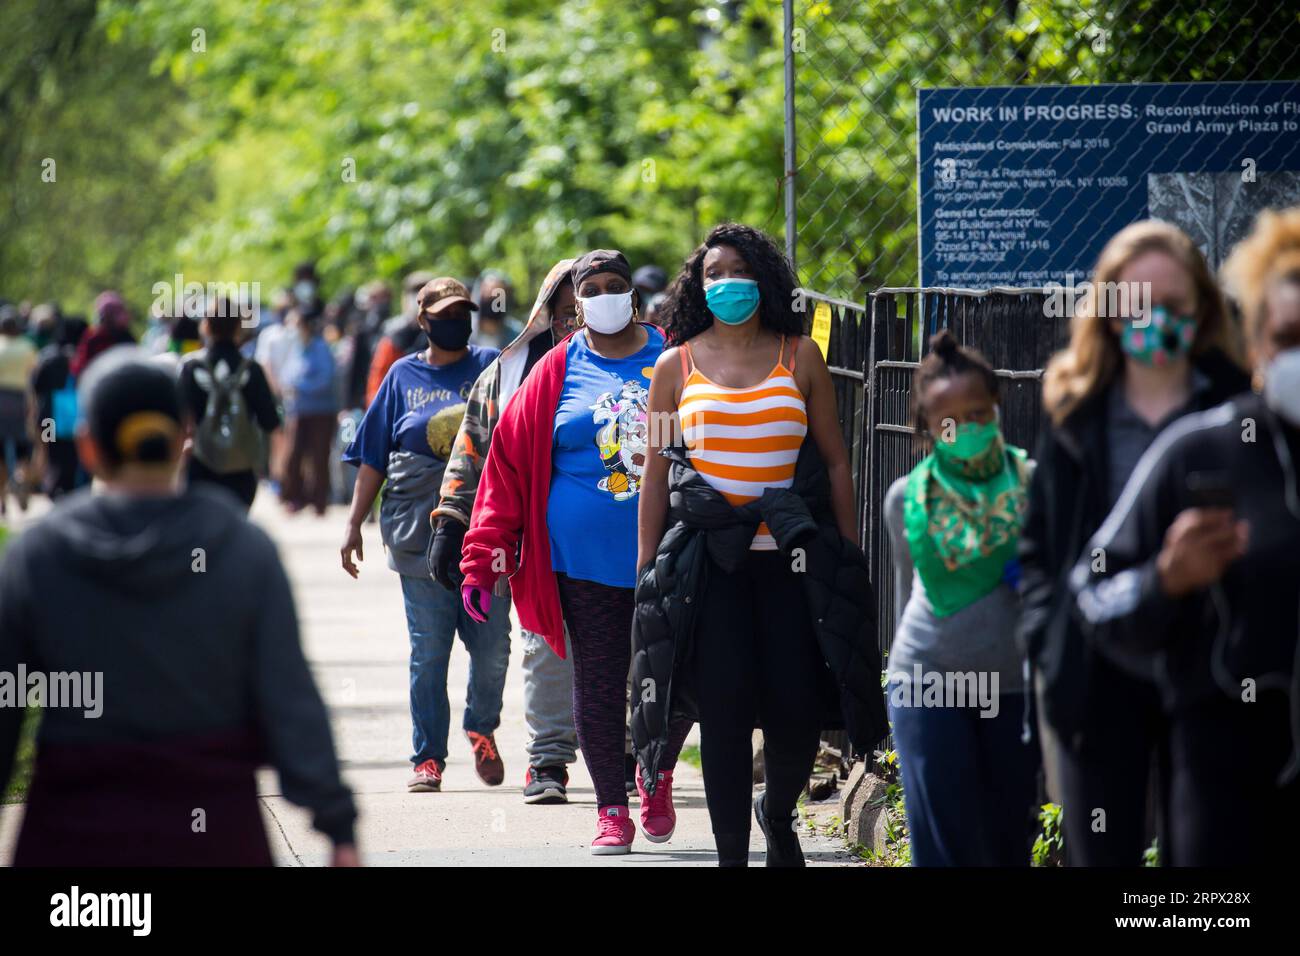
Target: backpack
(63, 405)
(227, 439)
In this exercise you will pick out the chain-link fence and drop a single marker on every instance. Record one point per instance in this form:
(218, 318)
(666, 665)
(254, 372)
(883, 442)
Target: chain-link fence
(854, 76)
(854, 70)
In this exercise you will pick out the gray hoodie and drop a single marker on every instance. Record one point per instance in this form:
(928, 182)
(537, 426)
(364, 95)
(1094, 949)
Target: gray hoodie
(184, 609)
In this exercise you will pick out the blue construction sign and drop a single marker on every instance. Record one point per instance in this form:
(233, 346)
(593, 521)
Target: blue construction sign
(1023, 185)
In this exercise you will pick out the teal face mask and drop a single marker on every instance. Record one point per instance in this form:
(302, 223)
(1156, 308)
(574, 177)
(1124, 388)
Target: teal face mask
(1165, 338)
(733, 301)
(976, 451)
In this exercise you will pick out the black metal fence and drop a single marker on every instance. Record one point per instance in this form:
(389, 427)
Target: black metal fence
(847, 356)
(874, 351)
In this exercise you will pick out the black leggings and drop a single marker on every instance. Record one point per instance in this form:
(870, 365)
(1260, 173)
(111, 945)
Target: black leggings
(756, 659)
(599, 619)
(1225, 805)
(242, 484)
(1105, 784)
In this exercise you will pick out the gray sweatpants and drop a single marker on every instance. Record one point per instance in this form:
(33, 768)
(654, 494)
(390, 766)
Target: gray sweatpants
(548, 704)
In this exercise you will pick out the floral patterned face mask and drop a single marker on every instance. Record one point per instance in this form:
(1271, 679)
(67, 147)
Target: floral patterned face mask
(1164, 339)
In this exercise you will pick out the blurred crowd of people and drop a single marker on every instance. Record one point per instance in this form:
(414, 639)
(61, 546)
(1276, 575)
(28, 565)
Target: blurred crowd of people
(657, 483)
(309, 366)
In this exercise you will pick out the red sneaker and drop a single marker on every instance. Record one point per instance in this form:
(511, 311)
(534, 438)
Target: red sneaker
(658, 818)
(487, 760)
(614, 831)
(427, 778)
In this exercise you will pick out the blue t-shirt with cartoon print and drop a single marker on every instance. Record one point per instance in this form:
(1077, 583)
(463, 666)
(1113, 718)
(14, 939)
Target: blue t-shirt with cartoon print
(601, 432)
(418, 408)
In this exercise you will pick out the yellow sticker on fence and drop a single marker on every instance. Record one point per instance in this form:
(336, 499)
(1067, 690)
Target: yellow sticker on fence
(821, 327)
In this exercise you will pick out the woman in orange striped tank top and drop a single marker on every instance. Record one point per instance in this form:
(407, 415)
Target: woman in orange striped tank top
(743, 389)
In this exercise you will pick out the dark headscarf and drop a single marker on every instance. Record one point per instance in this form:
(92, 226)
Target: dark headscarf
(110, 310)
(598, 261)
(112, 327)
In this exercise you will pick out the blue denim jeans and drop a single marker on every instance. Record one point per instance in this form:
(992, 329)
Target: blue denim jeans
(434, 616)
(969, 783)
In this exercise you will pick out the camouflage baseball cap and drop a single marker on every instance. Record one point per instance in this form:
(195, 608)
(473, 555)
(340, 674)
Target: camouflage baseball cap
(436, 294)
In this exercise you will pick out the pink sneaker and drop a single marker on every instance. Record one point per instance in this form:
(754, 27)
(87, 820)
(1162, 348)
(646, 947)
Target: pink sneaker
(614, 831)
(658, 818)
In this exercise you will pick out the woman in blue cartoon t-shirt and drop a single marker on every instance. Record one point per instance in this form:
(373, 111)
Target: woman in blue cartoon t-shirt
(597, 448)
(600, 446)
(601, 431)
(403, 444)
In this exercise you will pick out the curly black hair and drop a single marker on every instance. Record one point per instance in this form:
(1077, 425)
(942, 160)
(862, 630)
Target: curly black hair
(683, 313)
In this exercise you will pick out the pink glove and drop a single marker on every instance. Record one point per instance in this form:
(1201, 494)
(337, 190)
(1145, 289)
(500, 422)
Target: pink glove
(477, 601)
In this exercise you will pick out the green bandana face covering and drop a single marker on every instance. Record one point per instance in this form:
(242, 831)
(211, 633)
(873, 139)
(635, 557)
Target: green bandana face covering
(962, 512)
(1162, 340)
(976, 451)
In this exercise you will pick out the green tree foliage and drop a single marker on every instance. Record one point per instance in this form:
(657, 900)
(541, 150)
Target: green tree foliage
(378, 136)
(89, 194)
(228, 139)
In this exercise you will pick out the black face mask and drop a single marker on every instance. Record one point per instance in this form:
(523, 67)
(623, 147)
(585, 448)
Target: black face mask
(450, 335)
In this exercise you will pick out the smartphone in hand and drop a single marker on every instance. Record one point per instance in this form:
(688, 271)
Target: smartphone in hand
(1210, 489)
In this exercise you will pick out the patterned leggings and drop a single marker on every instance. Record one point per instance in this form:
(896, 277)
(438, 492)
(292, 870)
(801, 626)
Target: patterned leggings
(599, 618)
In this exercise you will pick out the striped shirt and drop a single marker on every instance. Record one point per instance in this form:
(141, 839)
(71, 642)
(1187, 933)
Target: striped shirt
(743, 440)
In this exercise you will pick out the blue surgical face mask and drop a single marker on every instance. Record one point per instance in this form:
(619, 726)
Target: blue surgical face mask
(733, 301)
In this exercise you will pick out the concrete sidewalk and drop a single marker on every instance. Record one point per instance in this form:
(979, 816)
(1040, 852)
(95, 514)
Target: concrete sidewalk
(354, 633)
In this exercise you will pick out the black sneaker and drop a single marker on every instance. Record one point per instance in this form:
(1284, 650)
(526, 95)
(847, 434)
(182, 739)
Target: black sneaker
(782, 839)
(546, 785)
(629, 773)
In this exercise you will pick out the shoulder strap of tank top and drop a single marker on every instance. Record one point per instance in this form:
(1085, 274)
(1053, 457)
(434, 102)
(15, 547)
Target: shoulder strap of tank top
(794, 352)
(780, 355)
(688, 360)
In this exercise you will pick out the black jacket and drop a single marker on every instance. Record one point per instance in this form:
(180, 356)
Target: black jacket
(703, 525)
(1246, 627)
(1068, 501)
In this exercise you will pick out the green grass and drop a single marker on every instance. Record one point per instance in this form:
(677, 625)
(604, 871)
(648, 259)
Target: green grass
(1151, 856)
(691, 755)
(1049, 845)
(16, 791)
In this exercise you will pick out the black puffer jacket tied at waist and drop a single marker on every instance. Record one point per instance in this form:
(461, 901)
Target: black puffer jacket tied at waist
(703, 525)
